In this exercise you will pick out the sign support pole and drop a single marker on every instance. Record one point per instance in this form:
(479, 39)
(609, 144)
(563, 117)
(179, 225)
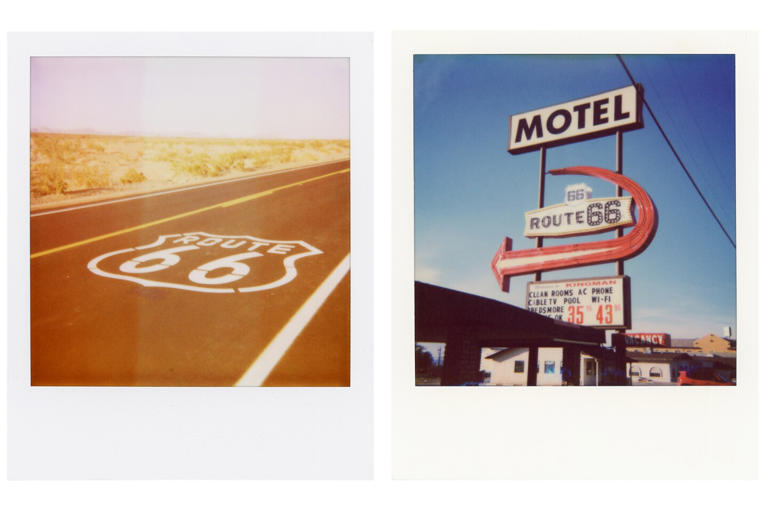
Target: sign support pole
(542, 172)
(533, 350)
(619, 190)
(620, 347)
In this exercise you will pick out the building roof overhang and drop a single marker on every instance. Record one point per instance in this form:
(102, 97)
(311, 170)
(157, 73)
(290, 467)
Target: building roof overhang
(442, 313)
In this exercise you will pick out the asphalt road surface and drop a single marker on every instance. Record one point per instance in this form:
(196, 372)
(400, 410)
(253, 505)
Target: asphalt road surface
(244, 282)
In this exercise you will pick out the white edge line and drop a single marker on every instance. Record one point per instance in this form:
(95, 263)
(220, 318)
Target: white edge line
(276, 349)
(184, 189)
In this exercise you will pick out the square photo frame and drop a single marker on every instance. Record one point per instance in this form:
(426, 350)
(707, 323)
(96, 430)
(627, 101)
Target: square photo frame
(96, 421)
(459, 183)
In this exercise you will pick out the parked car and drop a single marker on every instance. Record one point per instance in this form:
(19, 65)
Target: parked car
(702, 377)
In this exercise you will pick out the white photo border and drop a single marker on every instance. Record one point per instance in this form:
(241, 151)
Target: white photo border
(177, 432)
(601, 433)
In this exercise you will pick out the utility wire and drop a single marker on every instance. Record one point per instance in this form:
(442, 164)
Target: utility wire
(717, 219)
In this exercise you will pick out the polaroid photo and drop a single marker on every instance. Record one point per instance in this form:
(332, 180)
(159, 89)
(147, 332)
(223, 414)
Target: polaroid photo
(575, 207)
(196, 210)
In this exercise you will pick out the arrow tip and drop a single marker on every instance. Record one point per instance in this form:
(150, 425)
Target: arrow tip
(503, 280)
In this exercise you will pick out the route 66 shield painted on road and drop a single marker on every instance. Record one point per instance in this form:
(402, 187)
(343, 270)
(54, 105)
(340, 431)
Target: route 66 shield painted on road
(201, 262)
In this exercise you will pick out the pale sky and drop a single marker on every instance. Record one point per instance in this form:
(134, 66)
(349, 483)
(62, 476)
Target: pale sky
(246, 97)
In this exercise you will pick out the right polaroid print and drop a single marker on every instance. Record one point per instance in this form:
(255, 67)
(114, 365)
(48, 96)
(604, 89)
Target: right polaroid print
(583, 223)
(599, 248)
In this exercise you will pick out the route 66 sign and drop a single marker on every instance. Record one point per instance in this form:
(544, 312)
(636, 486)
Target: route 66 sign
(201, 262)
(507, 262)
(577, 192)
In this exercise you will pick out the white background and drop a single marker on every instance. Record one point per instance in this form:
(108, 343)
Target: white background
(382, 493)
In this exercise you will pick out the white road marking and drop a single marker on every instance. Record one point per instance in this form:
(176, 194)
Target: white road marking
(175, 190)
(170, 258)
(276, 349)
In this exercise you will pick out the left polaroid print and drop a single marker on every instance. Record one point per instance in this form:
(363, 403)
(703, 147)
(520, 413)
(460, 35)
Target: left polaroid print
(193, 219)
(189, 221)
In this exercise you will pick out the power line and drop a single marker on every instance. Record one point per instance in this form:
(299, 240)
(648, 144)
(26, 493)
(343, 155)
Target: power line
(680, 161)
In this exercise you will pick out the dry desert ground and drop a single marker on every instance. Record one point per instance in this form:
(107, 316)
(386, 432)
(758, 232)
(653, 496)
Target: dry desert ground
(71, 168)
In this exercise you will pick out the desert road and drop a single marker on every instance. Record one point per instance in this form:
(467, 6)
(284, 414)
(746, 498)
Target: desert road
(243, 282)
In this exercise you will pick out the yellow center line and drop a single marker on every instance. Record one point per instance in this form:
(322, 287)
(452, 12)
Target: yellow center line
(182, 215)
(270, 191)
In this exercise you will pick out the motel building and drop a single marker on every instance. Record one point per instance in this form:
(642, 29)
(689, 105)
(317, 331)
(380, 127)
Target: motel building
(509, 367)
(488, 342)
(662, 364)
(654, 368)
(491, 343)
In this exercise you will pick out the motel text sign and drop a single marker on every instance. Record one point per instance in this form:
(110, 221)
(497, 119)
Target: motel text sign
(585, 118)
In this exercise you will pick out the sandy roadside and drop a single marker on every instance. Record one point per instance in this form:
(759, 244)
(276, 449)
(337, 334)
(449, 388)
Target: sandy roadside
(96, 195)
(73, 169)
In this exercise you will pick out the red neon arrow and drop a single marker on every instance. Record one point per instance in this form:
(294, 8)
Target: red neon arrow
(507, 263)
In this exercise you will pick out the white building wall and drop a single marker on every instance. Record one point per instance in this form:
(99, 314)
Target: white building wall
(668, 372)
(503, 371)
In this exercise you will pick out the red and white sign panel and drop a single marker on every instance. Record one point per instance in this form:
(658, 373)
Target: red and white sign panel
(579, 217)
(601, 302)
(585, 118)
(508, 262)
(657, 339)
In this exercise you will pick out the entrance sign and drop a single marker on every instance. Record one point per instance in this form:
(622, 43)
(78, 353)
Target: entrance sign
(585, 118)
(507, 263)
(579, 217)
(200, 262)
(601, 302)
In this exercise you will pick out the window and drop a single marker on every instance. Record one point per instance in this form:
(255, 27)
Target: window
(655, 372)
(549, 367)
(519, 366)
(635, 371)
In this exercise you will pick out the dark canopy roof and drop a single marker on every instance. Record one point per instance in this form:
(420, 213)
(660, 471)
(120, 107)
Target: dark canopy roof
(655, 357)
(441, 312)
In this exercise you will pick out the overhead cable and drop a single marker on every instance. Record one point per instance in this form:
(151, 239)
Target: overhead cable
(680, 161)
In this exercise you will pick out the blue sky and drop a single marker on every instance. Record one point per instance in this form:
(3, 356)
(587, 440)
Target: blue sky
(470, 193)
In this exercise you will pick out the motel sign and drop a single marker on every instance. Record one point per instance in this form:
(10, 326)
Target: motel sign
(585, 118)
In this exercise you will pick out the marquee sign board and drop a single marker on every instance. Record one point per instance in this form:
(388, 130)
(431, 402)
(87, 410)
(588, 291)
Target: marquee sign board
(507, 262)
(579, 217)
(647, 339)
(600, 302)
(585, 118)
